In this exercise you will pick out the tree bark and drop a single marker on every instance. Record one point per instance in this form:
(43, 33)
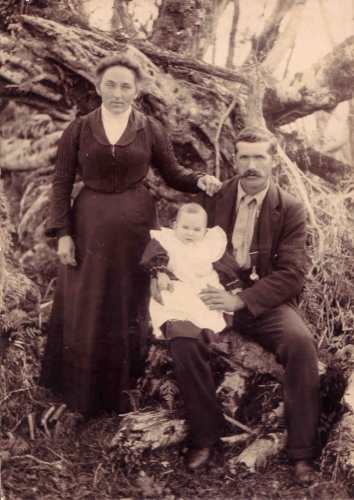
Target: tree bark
(322, 86)
(187, 26)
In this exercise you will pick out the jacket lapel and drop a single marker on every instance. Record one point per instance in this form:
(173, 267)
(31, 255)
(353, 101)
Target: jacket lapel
(268, 224)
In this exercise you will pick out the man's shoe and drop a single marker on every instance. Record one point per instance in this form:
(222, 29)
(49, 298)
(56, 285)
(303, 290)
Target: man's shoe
(198, 457)
(304, 471)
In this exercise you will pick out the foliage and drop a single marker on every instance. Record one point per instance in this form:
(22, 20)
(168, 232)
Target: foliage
(158, 384)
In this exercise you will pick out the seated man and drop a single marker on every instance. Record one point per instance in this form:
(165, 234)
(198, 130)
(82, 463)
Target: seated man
(266, 232)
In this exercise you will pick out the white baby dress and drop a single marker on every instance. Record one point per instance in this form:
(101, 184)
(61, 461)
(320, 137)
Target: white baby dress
(192, 264)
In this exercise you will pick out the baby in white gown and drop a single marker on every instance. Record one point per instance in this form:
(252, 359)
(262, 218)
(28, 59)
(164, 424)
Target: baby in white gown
(191, 250)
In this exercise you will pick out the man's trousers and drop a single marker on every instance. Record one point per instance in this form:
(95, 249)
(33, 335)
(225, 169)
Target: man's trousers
(280, 331)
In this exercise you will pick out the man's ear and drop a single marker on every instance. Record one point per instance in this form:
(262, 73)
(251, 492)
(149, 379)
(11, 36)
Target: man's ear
(174, 225)
(98, 89)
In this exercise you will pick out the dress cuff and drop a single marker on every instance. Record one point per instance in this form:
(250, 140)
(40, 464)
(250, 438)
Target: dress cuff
(63, 231)
(157, 269)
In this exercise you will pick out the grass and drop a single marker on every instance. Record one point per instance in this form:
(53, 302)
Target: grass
(73, 459)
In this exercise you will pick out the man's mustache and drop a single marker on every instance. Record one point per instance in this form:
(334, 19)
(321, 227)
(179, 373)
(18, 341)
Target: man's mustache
(251, 172)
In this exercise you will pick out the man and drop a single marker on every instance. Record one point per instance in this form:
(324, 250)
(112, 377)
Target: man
(266, 230)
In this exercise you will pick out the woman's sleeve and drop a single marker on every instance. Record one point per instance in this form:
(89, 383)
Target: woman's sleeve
(155, 258)
(164, 160)
(63, 181)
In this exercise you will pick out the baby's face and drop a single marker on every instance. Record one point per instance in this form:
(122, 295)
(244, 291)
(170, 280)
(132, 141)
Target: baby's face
(190, 228)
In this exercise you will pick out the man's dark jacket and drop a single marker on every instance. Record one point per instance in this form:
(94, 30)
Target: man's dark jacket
(281, 243)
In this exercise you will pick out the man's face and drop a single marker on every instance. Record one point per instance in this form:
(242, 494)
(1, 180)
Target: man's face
(190, 228)
(254, 164)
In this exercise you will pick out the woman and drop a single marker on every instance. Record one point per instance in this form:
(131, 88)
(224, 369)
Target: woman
(99, 316)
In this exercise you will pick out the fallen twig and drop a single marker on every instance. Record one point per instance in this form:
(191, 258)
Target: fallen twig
(36, 459)
(238, 424)
(17, 390)
(235, 439)
(31, 425)
(44, 419)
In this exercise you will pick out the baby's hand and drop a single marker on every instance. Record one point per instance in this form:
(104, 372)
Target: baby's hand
(164, 282)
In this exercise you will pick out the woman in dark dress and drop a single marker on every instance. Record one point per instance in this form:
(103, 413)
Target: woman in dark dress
(99, 319)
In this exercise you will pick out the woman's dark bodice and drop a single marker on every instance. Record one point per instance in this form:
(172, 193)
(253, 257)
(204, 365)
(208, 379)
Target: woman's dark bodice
(85, 149)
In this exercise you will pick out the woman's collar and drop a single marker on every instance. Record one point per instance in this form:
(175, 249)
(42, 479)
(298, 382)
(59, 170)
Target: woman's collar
(121, 117)
(137, 121)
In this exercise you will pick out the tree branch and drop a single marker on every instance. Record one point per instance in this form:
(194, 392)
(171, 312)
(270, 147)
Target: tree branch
(322, 86)
(93, 44)
(310, 160)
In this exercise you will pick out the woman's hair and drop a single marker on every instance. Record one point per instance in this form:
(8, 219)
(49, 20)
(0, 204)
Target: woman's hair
(119, 60)
(257, 134)
(191, 208)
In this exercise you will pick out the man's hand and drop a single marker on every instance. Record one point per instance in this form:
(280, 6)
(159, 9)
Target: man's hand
(209, 184)
(66, 251)
(162, 282)
(220, 300)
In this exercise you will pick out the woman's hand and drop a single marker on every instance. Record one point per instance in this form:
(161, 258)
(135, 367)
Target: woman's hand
(162, 282)
(209, 184)
(66, 251)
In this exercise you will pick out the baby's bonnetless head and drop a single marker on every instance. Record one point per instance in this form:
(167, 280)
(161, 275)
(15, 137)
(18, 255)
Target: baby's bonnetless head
(191, 223)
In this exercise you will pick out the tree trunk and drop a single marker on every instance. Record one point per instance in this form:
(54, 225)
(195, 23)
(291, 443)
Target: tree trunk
(121, 19)
(187, 26)
(286, 39)
(232, 41)
(263, 44)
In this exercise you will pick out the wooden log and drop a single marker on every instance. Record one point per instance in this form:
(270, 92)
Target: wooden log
(258, 453)
(140, 431)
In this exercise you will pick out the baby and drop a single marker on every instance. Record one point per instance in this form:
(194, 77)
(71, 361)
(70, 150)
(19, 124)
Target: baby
(182, 260)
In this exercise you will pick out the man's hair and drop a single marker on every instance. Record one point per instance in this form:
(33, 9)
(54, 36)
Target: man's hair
(191, 208)
(257, 134)
(119, 60)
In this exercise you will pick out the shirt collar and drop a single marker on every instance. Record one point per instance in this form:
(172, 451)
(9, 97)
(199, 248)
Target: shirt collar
(259, 197)
(121, 117)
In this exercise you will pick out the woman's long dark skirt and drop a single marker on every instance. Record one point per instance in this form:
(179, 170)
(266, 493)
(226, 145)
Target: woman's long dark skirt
(100, 312)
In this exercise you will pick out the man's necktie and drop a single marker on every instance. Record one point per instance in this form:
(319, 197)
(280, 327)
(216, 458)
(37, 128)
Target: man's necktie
(241, 233)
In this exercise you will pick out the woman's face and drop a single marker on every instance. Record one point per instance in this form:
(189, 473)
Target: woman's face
(117, 88)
